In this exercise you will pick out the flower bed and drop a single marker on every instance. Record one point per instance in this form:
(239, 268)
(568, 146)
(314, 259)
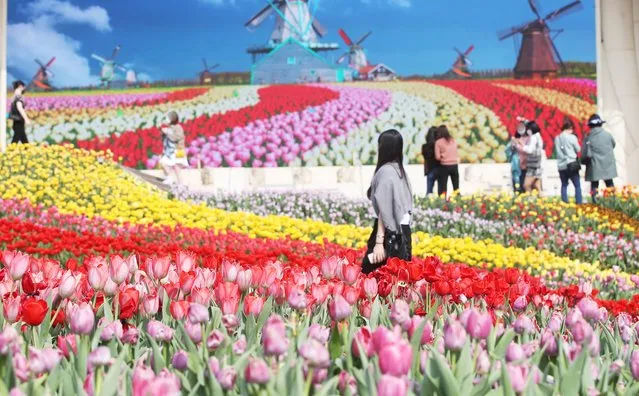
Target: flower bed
(165, 325)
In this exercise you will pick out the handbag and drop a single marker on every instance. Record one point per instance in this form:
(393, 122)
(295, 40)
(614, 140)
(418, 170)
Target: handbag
(586, 159)
(574, 166)
(395, 245)
(534, 159)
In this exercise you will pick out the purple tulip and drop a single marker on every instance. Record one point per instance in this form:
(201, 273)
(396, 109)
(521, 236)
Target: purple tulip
(315, 354)
(339, 309)
(198, 313)
(226, 377)
(454, 335)
(514, 352)
(100, 356)
(159, 331)
(520, 304)
(400, 314)
(589, 309)
(518, 377)
(215, 339)
(257, 372)
(478, 325)
(523, 325)
(274, 339)
(180, 360)
(634, 365)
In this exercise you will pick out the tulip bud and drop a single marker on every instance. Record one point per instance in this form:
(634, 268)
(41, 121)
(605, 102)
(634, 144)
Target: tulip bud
(400, 314)
(339, 309)
(100, 356)
(514, 352)
(82, 319)
(396, 359)
(198, 313)
(315, 354)
(215, 339)
(180, 360)
(226, 377)
(257, 372)
(389, 385)
(159, 331)
(454, 335)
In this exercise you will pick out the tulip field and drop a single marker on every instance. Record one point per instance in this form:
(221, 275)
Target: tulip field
(111, 287)
(309, 125)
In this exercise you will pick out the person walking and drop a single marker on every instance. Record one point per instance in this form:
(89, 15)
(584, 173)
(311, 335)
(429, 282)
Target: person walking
(173, 153)
(534, 148)
(599, 156)
(18, 114)
(446, 154)
(521, 139)
(391, 195)
(566, 151)
(430, 163)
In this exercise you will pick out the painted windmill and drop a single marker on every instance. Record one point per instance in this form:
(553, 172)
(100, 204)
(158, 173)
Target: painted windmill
(41, 79)
(462, 63)
(296, 19)
(538, 56)
(356, 55)
(206, 75)
(108, 72)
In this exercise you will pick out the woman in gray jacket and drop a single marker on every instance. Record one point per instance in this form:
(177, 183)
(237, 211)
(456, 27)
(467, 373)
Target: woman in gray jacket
(599, 156)
(392, 198)
(567, 150)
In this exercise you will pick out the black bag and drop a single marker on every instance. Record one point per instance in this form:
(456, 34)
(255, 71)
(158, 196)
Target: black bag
(14, 114)
(573, 167)
(396, 244)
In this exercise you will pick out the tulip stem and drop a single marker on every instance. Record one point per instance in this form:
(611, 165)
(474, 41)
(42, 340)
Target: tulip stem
(309, 381)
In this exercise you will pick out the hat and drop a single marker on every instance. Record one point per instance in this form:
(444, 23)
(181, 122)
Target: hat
(595, 121)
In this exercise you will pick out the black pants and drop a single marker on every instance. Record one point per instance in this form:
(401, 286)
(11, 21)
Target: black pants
(594, 186)
(367, 266)
(19, 134)
(442, 178)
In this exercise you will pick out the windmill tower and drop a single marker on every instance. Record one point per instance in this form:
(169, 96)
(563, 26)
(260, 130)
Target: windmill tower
(356, 55)
(293, 53)
(206, 75)
(107, 73)
(40, 80)
(538, 56)
(462, 63)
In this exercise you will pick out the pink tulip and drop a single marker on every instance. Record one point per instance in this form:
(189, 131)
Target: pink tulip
(198, 313)
(581, 332)
(16, 263)
(350, 272)
(319, 333)
(396, 359)
(229, 271)
(180, 360)
(100, 356)
(329, 267)
(320, 293)
(110, 288)
(454, 335)
(97, 277)
(131, 335)
(523, 325)
(518, 377)
(339, 309)
(520, 304)
(185, 261)
(389, 385)
(82, 319)
(549, 343)
(112, 331)
(67, 344)
(574, 316)
(427, 334)
(158, 267)
(257, 372)
(315, 354)
(226, 377)
(483, 363)
(118, 269)
(239, 346)
(351, 294)
(214, 365)
(215, 339)
(194, 331)
(347, 382)
(370, 287)
(159, 331)
(244, 279)
(43, 360)
(588, 308)
(514, 352)
(67, 284)
(11, 308)
(274, 339)
(634, 365)
(363, 342)
(151, 303)
(230, 322)
(478, 325)
(297, 298)
(555, 322)
(17, 392)
(400, 314)
(382, 336)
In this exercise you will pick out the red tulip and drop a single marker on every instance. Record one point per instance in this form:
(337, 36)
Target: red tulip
(179, 309)
(253, 305)
(33, 311)
(129, 300)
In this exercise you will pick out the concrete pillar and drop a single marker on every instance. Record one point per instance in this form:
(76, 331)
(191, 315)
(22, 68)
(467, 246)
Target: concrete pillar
(617, 27)
(3, 75)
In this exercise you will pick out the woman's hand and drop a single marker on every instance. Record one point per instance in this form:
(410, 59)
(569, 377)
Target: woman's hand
(379, 254)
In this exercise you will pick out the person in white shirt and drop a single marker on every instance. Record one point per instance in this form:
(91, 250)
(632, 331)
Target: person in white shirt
(534, 163)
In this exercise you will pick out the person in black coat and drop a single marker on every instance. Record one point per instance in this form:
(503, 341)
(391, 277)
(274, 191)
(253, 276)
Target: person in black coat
(430, 163)
(18, 114)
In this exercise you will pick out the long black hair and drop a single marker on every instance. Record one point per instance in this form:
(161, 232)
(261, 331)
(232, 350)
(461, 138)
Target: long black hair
(390, 149)
(444, 134)
(534, 128)
(431, 135)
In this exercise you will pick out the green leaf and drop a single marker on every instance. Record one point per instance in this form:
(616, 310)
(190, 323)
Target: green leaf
(251, 330)
(335, 344)
(449, 384)
(111, 382)
(633, 390)
(504, 341)
(266, 312)
(158, 359)
(571, 379)
(375, 309)
(464, 369)
(505, 381)
(415, 343)
(328, 388)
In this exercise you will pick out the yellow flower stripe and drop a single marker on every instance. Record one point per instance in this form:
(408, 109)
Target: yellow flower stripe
(570, 105)
(83, 182)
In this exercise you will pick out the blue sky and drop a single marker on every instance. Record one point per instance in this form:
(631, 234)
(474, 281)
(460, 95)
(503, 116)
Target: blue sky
(167, 38)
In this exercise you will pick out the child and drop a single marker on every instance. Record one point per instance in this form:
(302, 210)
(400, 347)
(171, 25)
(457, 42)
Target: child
(173, 154)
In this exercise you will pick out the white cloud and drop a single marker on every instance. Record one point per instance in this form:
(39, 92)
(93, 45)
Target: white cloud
(64, 12)
(218, 2)
(38, 38)
(400, 3)
(144, 77)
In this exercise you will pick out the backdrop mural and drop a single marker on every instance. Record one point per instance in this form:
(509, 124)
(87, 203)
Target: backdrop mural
(265, 83)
